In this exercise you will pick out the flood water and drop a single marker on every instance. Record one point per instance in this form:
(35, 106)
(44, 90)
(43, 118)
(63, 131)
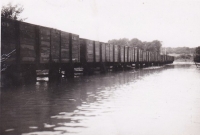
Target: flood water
(154, 101)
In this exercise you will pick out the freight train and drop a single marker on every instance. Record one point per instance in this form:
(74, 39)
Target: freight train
(33, 47)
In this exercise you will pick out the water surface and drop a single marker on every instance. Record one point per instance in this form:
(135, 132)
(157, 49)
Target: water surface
(154, 101)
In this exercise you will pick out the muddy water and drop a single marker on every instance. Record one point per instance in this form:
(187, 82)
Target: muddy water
(154, 101)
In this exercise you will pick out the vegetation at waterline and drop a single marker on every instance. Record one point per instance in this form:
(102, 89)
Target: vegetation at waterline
(180, 53)
(179, 50)
(184, 57)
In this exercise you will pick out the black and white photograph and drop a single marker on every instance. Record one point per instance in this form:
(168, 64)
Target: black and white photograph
(100, 67)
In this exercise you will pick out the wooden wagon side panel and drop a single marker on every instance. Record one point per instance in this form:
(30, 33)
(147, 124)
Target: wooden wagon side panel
(111, 52)
(103, 52)
(27, 42)
(83, 52)
(97, 51)
(121, 53)
(140, 55)
(144, 56)
(130, 50)
(107, 52)
(116, 51)
(8, 41)
(125, 54)
(89, 51)
(75, 48)
(65, 55)
(55, 45)
(135, 55)
(44, 44)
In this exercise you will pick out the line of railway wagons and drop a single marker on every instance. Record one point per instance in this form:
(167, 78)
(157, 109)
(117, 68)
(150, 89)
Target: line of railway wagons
(26, 43)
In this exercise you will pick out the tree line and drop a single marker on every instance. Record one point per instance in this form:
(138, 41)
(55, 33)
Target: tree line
(179, 50)
(154, 46)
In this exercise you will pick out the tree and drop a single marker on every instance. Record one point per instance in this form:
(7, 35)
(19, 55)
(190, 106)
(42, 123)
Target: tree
(121, 41)
(154, 46)
(12, 12)
(136, 43)
(147, 46)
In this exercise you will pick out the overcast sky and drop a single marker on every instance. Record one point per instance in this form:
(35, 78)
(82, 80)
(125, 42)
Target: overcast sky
(174, 22)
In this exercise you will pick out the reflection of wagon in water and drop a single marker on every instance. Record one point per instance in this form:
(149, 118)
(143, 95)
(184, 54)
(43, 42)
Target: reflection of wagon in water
(197, 56)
